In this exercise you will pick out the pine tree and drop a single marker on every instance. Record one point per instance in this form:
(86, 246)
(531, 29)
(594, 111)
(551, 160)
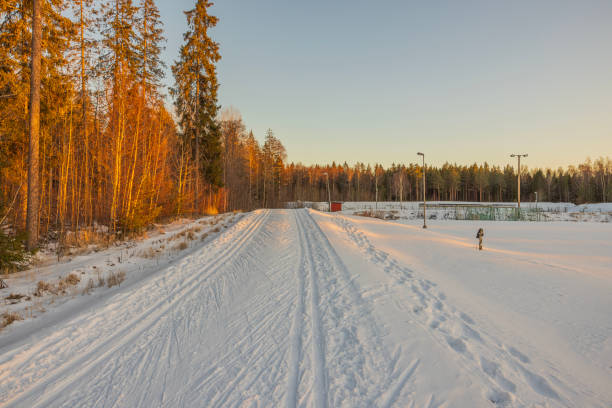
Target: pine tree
(150, 67)
(149, 71)
(33, 179)
(119, 66)
(15, 80)
(83, 11)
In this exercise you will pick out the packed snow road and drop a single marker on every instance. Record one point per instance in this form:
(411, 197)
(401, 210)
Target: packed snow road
(302, 309)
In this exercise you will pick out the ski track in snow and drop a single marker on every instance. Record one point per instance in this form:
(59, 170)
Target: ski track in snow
(48, 367)
(267, 315)
(183, 337)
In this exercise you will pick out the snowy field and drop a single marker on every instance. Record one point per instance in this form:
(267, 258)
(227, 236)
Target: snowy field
(298, 308)
(599, 212)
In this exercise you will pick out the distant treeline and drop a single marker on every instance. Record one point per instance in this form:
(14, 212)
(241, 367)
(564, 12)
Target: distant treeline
(258, 176)
(588, 182)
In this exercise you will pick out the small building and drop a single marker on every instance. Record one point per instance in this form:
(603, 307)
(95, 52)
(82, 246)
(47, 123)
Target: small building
(336, 206)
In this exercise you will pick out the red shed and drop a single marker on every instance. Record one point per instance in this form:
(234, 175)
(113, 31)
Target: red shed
(336, 206)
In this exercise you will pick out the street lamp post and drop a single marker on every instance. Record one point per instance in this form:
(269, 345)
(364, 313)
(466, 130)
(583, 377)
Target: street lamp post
(424, 198)
(518, 195)
(328, 193)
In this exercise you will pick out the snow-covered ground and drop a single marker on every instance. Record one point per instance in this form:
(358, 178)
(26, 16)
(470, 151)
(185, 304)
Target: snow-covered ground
(88, 273)
(301, 308)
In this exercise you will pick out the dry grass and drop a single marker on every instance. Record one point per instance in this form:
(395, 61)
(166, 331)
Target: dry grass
(115, 279)
(189, 234)
(84, 250)
(101, 280)
(84, 238)
(60, 288)
(148, 253)
(15, 296)
(217, 229)
(89, 287)
(8, 318)
(42, 287)
(204, 236)
(72, 279)
(180, 246)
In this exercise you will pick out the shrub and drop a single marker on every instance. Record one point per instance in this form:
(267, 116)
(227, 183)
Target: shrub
(42, 287)
(61, 287)
(72, 279)
(9, 317)
(181, 246)
(13, 255)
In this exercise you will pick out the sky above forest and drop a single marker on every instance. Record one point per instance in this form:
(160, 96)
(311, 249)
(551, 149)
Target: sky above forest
(463, 81)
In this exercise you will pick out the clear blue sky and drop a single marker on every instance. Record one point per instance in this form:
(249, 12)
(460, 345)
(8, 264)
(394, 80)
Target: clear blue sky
(377, 81)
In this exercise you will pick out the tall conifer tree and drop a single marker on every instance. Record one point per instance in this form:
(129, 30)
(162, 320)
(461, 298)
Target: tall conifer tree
(195, 95)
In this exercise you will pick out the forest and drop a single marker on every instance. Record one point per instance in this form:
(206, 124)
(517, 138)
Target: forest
(89, 144)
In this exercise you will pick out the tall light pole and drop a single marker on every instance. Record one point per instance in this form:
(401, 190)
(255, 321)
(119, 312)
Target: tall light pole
(424, 199)
(328, 193)
(518, 195)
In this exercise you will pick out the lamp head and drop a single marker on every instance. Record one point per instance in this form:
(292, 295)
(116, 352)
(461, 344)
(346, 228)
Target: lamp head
(420, 154)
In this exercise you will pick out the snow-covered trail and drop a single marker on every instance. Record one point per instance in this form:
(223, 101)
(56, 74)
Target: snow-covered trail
(263, 316)
(288, 308)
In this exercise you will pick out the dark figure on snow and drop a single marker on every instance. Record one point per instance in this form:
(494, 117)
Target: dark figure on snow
(479, 235)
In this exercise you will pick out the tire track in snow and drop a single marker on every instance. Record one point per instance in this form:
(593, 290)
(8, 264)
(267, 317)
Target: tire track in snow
(248, 361)
(55, 381)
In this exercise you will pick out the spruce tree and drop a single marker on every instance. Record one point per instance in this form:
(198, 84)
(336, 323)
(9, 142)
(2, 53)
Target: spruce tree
(195, 95)
(150, 67)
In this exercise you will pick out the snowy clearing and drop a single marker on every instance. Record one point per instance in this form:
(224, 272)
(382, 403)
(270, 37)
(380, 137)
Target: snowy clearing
(298, 308)
(446, 210)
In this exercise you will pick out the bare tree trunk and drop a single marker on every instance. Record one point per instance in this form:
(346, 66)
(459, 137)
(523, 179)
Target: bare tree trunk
(33, 181)
(87, 194)
(197, 140)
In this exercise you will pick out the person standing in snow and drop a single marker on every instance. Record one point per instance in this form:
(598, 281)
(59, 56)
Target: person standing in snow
(480, 235)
